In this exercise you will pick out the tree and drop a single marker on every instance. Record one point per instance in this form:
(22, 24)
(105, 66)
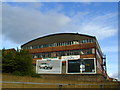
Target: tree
(23, 62)
(8, 61)
(19, 63)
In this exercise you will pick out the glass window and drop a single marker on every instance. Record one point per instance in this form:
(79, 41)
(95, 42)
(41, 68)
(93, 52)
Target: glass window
(51, 45)
(93, 50)
(71, 42)
(35, 56)
(55, 44)
(62, 53)
(39, 46)
(46, 45)
(59, 44)
(30, 47)
(85, 41)
(89, 40)
(76, 52)
(64, 43)
(82, 41)
(90, 51)
(43, 45)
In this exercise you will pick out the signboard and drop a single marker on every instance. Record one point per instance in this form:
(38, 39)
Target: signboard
(56, 58)
(70, 57)
(48, 66)
(81, 66)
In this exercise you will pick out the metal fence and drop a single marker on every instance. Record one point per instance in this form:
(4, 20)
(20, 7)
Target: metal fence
(62, 85)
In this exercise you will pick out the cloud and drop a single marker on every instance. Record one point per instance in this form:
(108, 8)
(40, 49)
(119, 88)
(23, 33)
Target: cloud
(100, 26)
(24, 23)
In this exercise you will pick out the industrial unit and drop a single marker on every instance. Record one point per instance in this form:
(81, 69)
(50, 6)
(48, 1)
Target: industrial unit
(67, 53)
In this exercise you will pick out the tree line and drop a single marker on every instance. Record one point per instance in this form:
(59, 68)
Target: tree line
(17, 63)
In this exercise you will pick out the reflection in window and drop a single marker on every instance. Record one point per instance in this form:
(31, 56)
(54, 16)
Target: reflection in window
(60, 44)
(64, 53)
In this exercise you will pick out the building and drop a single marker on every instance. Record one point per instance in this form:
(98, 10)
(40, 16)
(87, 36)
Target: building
(79, 53)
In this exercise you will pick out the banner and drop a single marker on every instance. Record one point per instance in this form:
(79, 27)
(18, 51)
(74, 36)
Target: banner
(48, 66)
(81, 66)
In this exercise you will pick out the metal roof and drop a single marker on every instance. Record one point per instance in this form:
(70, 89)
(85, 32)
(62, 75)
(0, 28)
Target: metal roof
(57, 38)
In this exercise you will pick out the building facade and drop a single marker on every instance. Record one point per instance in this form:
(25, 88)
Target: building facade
(79, 53)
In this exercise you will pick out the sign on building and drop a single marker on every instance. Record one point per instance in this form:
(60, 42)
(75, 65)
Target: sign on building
(70, 57)
(81, 66)
(48, 66)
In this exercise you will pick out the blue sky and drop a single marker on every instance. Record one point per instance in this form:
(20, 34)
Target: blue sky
(23, 22)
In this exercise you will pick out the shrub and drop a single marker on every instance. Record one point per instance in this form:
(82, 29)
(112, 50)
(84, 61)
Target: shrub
(17, 63)
(33, 74)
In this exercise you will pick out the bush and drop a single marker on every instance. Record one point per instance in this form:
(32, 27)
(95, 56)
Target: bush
(17, 63)
(35, 75)
(17, 73)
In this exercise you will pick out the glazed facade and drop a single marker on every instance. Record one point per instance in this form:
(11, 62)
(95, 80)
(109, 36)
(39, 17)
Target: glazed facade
(67, 44)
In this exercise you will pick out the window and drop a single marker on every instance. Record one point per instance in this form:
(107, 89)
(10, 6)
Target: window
(88, 40)
(35, 56)
(93, 50)
(89, 51)
(85, 41)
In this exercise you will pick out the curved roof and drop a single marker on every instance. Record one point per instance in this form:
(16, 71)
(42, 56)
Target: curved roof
(57, 38)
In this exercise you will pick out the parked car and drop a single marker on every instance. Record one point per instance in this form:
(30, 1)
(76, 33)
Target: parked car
(45, 66)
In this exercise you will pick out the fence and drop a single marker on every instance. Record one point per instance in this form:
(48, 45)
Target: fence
(59, 86)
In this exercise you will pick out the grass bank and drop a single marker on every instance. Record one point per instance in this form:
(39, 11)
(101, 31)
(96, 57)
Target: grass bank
(72, 84)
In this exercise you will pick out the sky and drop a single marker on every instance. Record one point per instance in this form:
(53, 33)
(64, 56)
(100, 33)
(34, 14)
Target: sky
(25, 21)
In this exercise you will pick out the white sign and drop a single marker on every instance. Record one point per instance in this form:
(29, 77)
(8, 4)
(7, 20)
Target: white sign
(71, 57)
(48, 66)
(50, 58)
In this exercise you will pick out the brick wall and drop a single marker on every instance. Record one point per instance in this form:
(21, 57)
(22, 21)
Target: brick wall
(90, 77)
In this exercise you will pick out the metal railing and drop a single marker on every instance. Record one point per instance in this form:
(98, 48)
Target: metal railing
(61, 85)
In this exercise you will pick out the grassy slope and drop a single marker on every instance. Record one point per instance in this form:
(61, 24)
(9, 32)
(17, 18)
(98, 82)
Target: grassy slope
(9, 77)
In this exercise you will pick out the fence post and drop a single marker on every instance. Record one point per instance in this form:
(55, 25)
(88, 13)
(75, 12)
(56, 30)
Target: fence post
(60, 87)
(101, 87)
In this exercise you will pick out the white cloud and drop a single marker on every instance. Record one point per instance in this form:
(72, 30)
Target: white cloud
(21, 24)
(100, 26)
(98, 31)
